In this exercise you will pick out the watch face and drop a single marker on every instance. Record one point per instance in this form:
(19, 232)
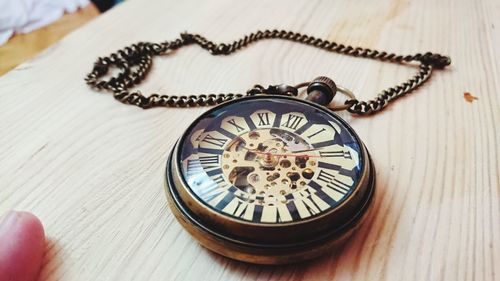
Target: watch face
(270, 160)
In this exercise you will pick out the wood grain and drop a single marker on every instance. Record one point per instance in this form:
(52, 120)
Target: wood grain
(92, 169)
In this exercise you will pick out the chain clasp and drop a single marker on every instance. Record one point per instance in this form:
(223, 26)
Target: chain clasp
(281, 89)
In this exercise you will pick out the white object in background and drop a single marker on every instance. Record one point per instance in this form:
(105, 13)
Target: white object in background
(23, 16)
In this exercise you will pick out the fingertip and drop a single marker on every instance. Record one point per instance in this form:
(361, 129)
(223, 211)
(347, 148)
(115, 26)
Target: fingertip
(22, 244)
(32, 225)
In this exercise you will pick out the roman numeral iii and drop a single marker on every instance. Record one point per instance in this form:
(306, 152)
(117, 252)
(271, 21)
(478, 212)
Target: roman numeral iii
(337, 153)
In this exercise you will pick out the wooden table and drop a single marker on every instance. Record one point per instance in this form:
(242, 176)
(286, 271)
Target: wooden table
(92, 169)
(22, 47)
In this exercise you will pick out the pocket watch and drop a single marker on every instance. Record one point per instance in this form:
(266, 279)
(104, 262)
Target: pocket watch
(269, 179)
(265, 177)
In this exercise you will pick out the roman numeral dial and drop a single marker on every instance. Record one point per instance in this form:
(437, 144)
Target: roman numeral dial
(263, 118)
(271, 165)
(333, 183)
(213, 140)
(269, 177)
(235, 125)
(195, 138)
(293, 121)
(339, 155)
(209, 161)
(319, 133)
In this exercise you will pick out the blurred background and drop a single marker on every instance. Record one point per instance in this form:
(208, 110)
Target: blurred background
(27, 27)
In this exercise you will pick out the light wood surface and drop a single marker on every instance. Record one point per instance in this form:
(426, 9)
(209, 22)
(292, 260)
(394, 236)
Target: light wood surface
(92, 169)
(22, 47)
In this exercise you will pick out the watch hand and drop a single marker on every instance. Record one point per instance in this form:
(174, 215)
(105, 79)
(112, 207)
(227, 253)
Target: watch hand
(289, 154)
(305, 150)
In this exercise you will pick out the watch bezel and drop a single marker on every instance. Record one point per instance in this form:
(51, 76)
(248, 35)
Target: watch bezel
(240, 228)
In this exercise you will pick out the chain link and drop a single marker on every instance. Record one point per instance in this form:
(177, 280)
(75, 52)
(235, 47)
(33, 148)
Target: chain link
(135, 62)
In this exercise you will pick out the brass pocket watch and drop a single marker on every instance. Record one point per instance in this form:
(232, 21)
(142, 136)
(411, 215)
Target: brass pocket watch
(269, 179)
(265, 177)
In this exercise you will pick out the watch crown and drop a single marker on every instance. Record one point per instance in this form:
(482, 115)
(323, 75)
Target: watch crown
(321, 90)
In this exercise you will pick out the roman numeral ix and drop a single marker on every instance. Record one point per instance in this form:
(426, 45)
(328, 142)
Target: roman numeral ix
(214, 141)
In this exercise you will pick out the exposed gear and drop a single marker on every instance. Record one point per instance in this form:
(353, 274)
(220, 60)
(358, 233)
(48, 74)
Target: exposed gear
(263, 164)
